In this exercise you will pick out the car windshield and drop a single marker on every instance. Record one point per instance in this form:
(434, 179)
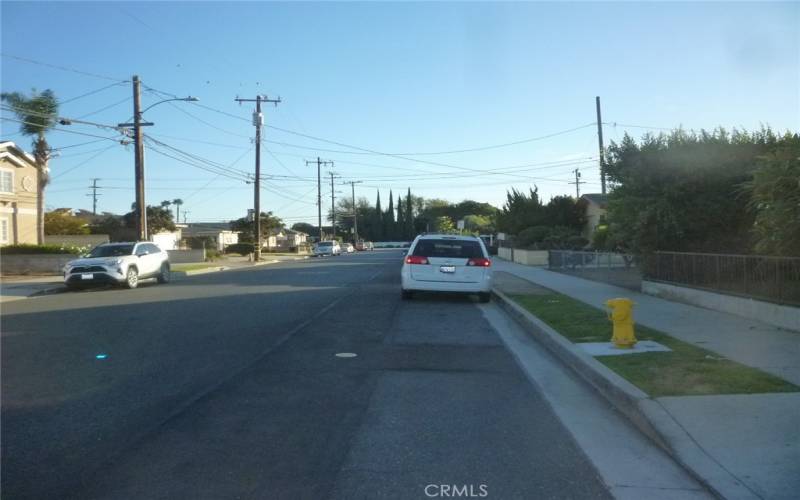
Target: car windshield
(326, 244)
(111, 251)
(462, 249)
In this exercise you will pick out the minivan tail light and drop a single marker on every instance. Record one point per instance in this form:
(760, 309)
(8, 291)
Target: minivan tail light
(479, 262)
(416, 259)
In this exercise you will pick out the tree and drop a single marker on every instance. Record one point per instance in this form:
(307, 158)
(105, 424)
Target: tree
(377, 220)
(410, 229)
(775, 200)
(683, 191)
(388, 219)
(177, 202)
(247, 227)
(57, 222)
(521, 211)
(401, 221)
(566, 211)
(305, 227)
(166, 204)
(38, 114)
(158, 219)
(444, 224)
(480, 224)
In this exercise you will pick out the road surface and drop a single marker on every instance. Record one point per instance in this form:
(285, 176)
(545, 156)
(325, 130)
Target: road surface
(243, 384)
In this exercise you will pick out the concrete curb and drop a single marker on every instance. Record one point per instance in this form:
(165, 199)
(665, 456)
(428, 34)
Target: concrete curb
(216, 269)
(59, 288)
(646, 413)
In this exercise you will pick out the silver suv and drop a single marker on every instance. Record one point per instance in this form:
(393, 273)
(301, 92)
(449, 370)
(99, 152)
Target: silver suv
(119, 264)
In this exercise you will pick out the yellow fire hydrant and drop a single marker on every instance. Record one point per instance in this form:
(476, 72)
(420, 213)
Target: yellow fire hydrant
(622, 316)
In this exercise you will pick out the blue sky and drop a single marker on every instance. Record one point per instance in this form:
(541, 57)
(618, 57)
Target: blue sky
(393, 78)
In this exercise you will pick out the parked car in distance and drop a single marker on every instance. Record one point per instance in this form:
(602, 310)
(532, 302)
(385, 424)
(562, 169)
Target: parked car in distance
(348, 248)
(327, 248)
(447, 263)
(119, 264)
(364, 245)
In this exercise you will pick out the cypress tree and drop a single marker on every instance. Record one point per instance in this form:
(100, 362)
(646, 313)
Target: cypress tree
(410, 228)
(400, 230)
(388, 221)
(377, 220)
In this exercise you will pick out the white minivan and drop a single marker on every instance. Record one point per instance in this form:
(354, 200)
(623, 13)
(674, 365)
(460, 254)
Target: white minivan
(327, 248)
(447, 263)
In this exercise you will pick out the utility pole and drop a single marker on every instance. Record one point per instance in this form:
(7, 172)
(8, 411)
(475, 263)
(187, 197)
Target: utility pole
(94, 187)
(602, 150)
(577, 183)
(258, 121)
(355, 210)
(319, 191)
(333, 206)
(138, 153)
(138, 158)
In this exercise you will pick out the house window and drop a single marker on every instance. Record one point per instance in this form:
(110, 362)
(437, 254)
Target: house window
(4, 230)
(6, 181)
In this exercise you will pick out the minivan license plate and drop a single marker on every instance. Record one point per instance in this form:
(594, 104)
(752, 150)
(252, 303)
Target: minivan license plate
(87, 276)
(448, 269)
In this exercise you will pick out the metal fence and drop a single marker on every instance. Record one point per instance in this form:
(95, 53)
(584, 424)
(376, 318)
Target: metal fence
(615, 268)
(775, 279)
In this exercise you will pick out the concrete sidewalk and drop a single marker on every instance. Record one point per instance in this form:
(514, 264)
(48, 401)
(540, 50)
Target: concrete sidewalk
(742, 446)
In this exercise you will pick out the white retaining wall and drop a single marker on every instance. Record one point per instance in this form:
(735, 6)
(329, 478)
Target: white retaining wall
(773, 314)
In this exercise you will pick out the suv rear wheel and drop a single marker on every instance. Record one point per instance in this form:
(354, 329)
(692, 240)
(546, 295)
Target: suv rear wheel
(164, 275)
(407, 294)
(132, 278)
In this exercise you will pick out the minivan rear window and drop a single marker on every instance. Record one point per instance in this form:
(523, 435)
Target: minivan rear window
(459, 249)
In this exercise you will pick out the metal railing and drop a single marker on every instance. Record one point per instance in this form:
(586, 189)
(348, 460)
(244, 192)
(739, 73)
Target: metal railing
(775, 279)
(615, 268)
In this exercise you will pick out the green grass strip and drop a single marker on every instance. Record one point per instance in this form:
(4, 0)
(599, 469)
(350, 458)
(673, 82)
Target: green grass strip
(686, 371)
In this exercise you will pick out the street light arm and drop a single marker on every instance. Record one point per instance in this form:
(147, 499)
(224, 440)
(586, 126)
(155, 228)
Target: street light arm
(187, 99)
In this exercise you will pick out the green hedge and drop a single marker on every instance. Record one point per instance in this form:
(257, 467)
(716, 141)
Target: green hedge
(33, 249)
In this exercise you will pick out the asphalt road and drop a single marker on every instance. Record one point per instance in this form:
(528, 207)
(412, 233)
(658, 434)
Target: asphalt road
(227, 385)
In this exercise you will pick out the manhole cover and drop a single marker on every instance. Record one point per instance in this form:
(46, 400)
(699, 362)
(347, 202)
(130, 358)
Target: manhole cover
(346, 355)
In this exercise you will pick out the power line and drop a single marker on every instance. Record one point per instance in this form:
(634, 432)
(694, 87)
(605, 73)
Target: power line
(63, 130)
(61, 103)
(63, 68)
(123, 101)
(84, 162)
(218, 175)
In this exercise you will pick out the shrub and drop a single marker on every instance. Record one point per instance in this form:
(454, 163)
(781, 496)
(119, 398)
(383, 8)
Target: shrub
(532, 236)
(241, 248)
(212, 254)
(25, 248)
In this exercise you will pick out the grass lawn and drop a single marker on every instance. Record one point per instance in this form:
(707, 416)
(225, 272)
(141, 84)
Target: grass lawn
(687, 370)
(194, 267)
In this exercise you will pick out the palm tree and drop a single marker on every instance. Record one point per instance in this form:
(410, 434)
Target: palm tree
(177, 202)
(38, 114)
(166, 204)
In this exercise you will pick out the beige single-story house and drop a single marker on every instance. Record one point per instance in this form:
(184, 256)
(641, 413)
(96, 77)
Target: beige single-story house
(19, 180)
(219, 232)
(596, 205)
